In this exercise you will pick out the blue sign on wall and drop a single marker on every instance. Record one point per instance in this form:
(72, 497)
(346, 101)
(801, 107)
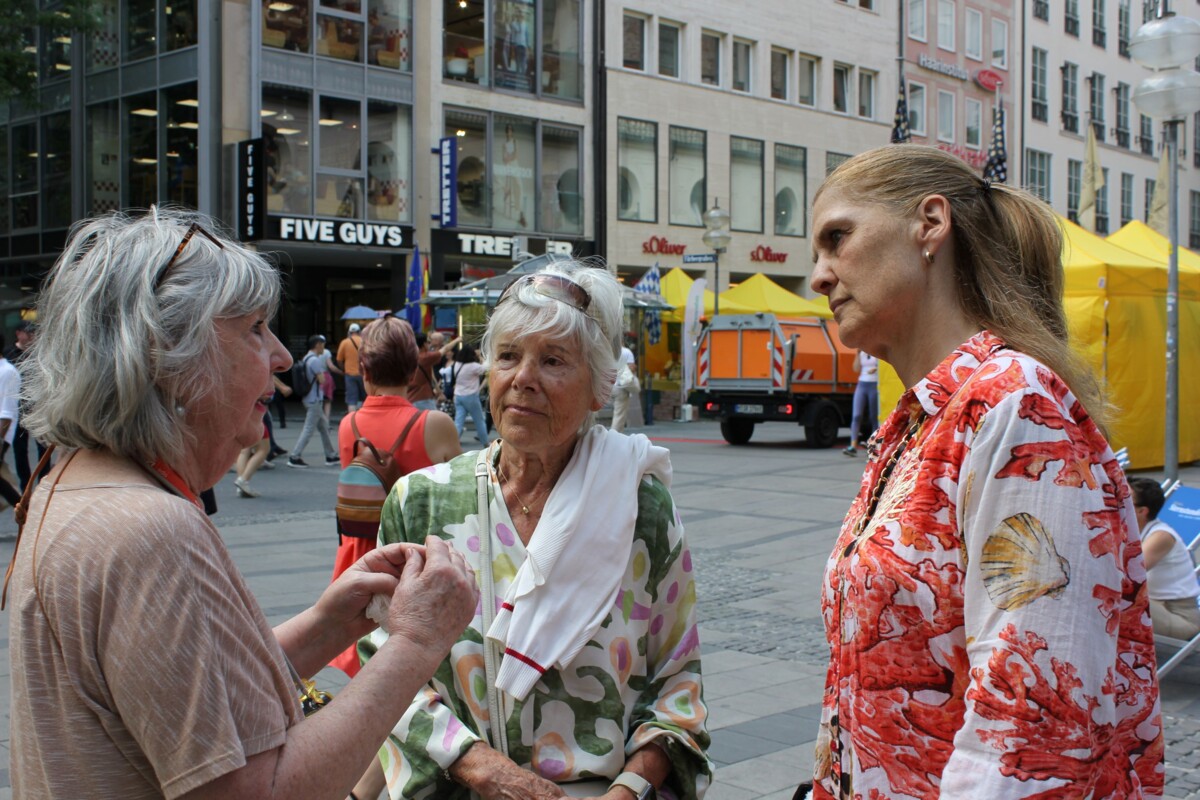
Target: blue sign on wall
(448, 176)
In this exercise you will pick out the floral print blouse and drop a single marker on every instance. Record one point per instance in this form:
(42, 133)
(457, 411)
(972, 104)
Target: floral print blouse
(989, 627)
(637, 681)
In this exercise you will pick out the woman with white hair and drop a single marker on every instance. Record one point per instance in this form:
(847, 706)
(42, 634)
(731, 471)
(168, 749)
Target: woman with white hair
(141, 664)
(580, 672)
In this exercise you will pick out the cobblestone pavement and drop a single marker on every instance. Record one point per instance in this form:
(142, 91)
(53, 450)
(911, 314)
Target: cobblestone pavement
(760, 519)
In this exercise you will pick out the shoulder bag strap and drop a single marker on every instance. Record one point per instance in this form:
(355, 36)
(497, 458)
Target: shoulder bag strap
(491, 654)
(400, 439)
(354, 426)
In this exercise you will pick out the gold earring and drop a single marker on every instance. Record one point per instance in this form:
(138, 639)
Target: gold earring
(929, 256)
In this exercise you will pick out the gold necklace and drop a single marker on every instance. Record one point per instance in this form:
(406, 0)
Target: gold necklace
(504, 480)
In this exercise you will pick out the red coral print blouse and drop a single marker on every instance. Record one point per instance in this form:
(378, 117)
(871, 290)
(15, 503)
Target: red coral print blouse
(989, 628)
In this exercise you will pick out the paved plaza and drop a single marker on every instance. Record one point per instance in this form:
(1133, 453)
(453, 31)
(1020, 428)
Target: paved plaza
(760, 518)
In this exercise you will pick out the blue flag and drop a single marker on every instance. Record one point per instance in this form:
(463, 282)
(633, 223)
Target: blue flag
(651, 284)
(415, 289)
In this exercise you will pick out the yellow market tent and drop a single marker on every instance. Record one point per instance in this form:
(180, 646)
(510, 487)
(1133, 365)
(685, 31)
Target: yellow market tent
(760, 293)
(1141, 238)
(675, 286)
(1116, 307)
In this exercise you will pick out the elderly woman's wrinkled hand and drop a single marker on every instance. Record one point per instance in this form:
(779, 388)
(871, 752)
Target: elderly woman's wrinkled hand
(436, 597)
(345, 602)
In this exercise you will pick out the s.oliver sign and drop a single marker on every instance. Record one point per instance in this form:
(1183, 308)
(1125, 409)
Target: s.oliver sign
(328, 231)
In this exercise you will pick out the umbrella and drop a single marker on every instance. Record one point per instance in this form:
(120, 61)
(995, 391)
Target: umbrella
(360, 312)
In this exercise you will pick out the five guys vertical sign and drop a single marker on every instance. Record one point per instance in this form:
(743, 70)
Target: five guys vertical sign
(251, 189)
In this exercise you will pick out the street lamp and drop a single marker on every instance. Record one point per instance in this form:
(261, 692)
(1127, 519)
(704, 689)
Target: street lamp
(1165, 44)
(716, 220)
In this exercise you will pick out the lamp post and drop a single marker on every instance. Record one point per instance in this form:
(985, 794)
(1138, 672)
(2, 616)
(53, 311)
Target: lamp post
(1166, 44)
(716, 220)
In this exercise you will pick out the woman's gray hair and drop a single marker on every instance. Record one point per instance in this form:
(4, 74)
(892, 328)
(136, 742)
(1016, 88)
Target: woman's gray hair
(124, 346)
(598, 331)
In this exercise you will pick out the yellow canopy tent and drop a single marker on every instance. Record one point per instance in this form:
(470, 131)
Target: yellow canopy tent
(760, 293)
(1141, 238)
(674, 287)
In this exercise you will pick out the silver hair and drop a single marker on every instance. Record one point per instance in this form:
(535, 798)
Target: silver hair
(123, 347)
(525, 312)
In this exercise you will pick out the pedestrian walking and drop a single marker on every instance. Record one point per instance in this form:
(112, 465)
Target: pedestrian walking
(466, 374)
(865, 406)
(425, 391)
(316, 371)
(627, 393)
(348, 356)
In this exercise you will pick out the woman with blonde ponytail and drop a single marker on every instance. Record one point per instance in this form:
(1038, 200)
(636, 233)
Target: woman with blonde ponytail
(985, 601)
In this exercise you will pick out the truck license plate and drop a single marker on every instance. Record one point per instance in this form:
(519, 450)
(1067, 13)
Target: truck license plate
(747, 408)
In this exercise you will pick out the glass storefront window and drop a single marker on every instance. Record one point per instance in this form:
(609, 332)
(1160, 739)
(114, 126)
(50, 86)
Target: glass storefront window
(340, 196)
(687, 178)
(791, 192)
(341, 139)
(141, 137)
(464, 43)
(353, 6)
(561, 199)
(56, 56)
(140, 29)
(514, 53)
(513, 159)
(474, 194)
(102, 158)
(389, 154)
(285, 25)
(562, 73)
(338, 37)
(179, 24)
(183, 129)
(389, 34)
(24, 158)
(287, 139)
(637, 170)
(745, 184)
(56, 171)
(103, 44)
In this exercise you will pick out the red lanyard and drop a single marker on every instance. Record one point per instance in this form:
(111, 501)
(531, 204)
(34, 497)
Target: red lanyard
(168, 474)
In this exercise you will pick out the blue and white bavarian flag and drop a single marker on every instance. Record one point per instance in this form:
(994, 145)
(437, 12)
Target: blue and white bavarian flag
(650, 284)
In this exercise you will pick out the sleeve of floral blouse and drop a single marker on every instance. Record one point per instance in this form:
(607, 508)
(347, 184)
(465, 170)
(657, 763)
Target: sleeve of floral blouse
(1061, 694)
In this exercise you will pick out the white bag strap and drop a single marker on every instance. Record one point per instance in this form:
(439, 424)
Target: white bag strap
(491, 652)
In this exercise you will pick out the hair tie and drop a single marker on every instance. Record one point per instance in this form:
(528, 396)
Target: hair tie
(986, 186)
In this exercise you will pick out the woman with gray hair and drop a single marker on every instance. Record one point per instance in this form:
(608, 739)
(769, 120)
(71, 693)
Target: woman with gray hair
(142, 665)
(587, 622)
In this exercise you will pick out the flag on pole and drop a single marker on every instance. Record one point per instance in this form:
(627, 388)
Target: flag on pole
(426, 310)
(900, 131)
(1093, 181)
(1156, 218)
(412, 305)
(651, 284)
(996, 168)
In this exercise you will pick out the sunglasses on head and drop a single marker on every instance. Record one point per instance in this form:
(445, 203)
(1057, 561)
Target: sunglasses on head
(556, 287)
(192, 230)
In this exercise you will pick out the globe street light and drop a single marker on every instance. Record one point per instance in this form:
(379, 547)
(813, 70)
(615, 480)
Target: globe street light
(717, 237)
(1165, 44)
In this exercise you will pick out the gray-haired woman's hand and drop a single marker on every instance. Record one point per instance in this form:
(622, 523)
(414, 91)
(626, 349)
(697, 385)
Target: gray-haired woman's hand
(435, 599)
(494, 776)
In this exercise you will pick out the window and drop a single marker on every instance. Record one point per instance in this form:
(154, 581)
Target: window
(560, 209)
(917, 17)
(56, 171)
(1196, 140)
(1071, 17)
(1122, 96)
(745, 184)
(1099, 32)
(841, 88)
(1123, 26)
(140, 32)
(637, 170)
(389, 155)
(916, 108)
(1041, 10)
(514, 184)
(806, 85)
(1096, 104)
(710, 59)
(1149, 198)
(688, 187)
(741, 66)
(1194, 219)
(181, 157)
(833, 161)
(1074, 188)
(974, 35)
(1070, 97)
(791, 190)
(668, 50)
(781, 66)
(562, 45)
(1126, 198)
(1146, 139)
(102, 161)
(866, 94)
(945, 22)
(945, 130)
(635, 43)
(464, 38)
(474, 166)
(974, 112)
(1102, 205)
(1037, 173)
(1039, 93)
(999, 44)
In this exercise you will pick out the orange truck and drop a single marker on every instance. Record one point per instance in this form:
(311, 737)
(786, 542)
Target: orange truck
(753, 368)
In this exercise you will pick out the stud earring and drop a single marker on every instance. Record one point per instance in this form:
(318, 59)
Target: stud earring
(929, 256)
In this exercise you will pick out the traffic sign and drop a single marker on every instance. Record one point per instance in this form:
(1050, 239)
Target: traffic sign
(700, 258)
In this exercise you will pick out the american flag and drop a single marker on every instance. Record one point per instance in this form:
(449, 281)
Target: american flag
(900, 131)
(653, 319)
(996, 168)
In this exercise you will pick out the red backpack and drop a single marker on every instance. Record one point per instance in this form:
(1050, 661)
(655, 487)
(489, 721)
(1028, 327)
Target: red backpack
(365, 482)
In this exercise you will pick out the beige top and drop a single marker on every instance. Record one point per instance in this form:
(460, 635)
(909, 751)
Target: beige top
(143, 666)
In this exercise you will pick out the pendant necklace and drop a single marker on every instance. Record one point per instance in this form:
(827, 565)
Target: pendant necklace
(504, 479)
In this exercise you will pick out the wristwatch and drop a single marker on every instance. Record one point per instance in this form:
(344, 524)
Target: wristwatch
(641, 788)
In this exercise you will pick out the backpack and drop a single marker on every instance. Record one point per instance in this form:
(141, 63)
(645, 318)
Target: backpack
(302, 381)
(365, 483)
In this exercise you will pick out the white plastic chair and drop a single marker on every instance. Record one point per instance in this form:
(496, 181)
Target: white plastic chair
(1181, 512)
